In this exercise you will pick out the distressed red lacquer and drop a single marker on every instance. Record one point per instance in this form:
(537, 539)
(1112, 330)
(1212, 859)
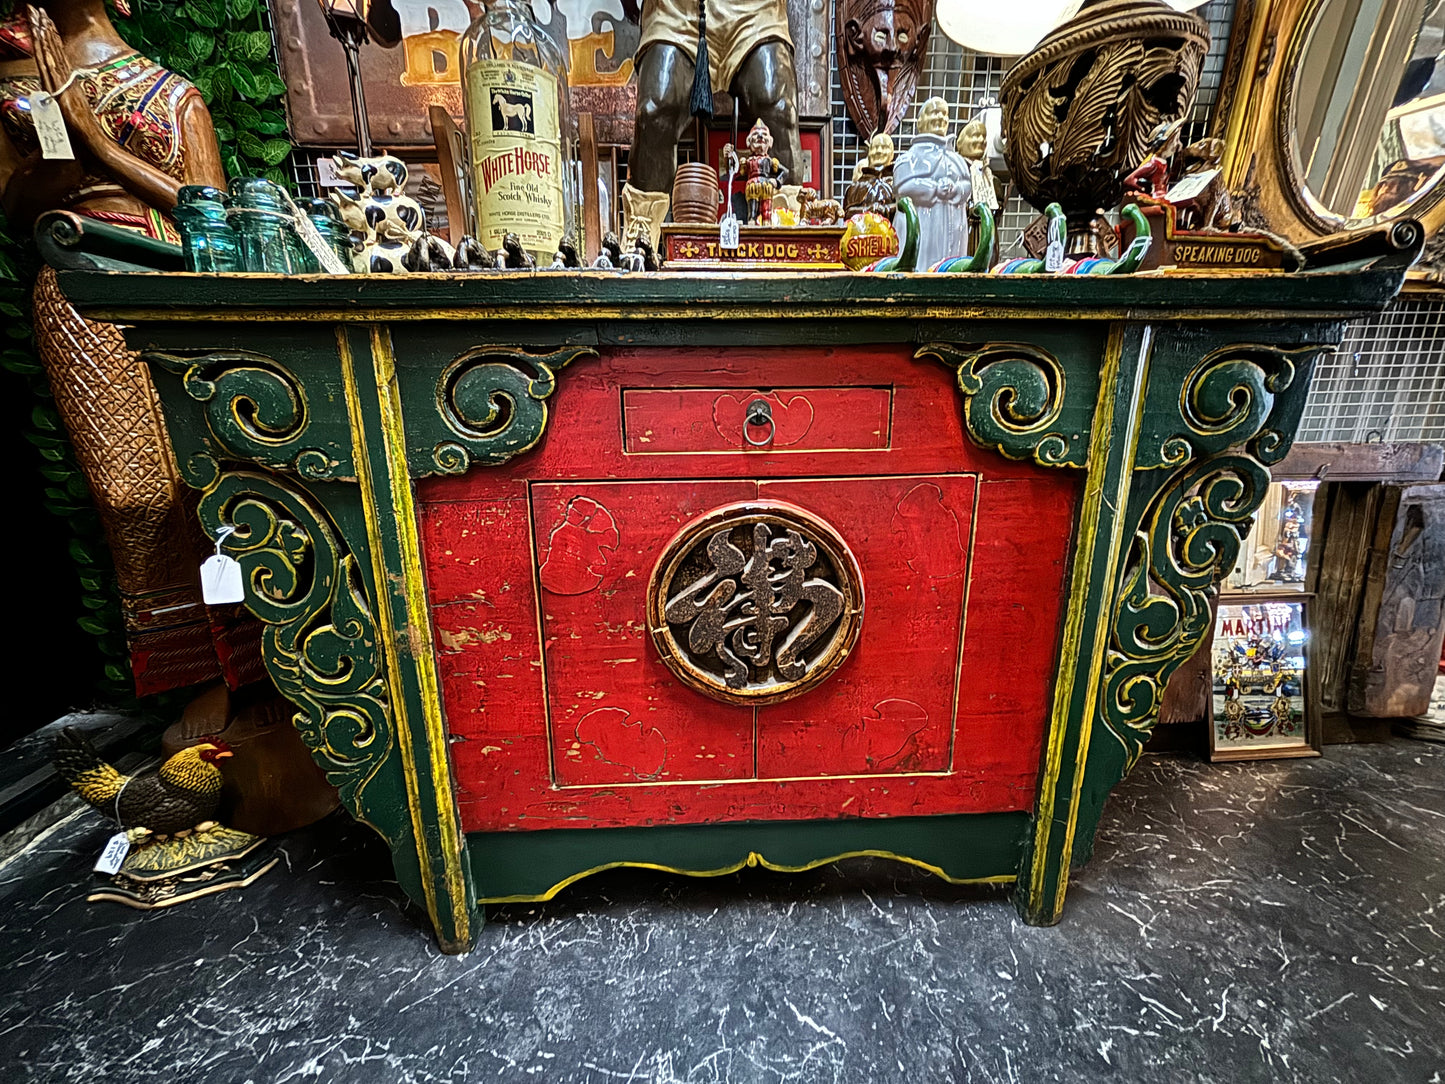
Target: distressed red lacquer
(561, 711)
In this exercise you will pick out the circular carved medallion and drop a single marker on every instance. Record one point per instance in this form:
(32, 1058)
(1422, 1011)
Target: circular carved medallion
(755, 602)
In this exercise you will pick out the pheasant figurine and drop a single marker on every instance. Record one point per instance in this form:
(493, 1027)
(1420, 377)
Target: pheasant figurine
(180, 795)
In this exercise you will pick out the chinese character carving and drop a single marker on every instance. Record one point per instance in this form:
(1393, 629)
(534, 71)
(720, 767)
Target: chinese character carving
(755, 602)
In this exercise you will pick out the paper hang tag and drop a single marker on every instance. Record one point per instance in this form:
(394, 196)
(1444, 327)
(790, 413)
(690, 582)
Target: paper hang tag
(221, 581)
(1054, 257)
(114, 854)
(727, 233)
(50, 127)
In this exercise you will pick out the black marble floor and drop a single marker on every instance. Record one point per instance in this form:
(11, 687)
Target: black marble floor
(1271, 921)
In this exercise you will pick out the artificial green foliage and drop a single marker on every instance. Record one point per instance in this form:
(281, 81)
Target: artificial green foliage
(224, 48)
(67, 494)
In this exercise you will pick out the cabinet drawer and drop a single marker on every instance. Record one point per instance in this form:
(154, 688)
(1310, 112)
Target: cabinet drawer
(671, 421)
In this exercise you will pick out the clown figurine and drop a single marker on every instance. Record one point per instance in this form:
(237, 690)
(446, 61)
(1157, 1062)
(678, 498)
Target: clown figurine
(764, 174)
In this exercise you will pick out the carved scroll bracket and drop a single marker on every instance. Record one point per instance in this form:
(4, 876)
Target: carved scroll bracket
(320, 642)
(1190, 522)
(1018, 402)
(256, 410)
(1237, 393)
(490, 404)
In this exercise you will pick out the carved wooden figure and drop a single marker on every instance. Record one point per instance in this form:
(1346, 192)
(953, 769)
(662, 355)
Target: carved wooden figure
(881, 47)
(872, 185)
(139, 133)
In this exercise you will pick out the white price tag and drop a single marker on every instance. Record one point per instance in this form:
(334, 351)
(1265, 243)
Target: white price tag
(114, 854)
(326, 176)
(727, 233)
(221, 581)
(50, 127)
(1054, 254)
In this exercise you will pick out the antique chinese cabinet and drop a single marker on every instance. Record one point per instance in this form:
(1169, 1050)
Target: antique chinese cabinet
(572, 571)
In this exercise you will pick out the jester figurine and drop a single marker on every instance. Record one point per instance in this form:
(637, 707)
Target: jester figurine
(764, 174)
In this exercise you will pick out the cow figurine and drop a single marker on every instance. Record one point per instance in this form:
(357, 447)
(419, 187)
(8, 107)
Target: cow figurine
(818, 212)
(387, 253)
(381, 174)
(381, 202)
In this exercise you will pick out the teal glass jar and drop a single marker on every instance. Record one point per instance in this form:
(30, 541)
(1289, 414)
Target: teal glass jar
(260, 213)
(326, 217)
(210, 243)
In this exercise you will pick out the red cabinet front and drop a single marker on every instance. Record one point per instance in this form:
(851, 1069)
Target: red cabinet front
(562, 709)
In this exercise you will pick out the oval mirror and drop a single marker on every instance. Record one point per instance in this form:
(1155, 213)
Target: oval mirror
(1366, 124)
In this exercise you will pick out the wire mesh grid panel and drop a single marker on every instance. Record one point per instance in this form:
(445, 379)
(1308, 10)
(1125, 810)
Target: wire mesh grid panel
(969, 81)
(1386, 382)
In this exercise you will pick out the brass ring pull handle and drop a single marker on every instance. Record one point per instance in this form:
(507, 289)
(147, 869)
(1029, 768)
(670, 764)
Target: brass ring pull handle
(760, 413)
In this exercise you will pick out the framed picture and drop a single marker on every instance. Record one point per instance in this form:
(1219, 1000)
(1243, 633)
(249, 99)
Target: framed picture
(1274, 554)
(1262, 703)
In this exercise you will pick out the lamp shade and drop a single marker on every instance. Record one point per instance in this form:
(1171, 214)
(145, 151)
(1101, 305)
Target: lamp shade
(995, 29)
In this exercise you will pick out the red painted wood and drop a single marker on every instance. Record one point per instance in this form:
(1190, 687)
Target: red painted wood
(560, 711)
(665, 420)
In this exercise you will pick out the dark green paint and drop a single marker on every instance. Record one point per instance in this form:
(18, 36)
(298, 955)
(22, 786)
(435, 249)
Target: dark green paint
(968, 847)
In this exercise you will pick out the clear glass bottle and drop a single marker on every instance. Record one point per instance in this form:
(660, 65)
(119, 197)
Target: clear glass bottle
(210, 243)
(326, 217)
(521, 134)
(260, 214)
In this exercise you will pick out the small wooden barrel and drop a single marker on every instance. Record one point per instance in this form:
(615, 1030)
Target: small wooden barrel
(695, 193)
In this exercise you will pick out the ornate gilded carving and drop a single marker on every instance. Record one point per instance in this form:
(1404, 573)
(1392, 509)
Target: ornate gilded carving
(1226, 399)
(1079, 110)
(256, 411)
(1190, 527)
(1188, 540)
(755, 602)
(491, 404)
(321, 645)
(1016, 401)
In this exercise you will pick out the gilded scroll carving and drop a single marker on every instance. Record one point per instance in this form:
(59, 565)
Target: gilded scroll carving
(1227, 398)
(321, 644)
(1016, 401)
(256, 411)
(491, 403)
(1188, 540)
(1190, 527)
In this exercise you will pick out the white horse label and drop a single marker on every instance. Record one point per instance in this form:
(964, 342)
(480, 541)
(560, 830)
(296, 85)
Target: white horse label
(516, 155)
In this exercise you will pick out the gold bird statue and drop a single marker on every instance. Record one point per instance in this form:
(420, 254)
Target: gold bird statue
(180, 795)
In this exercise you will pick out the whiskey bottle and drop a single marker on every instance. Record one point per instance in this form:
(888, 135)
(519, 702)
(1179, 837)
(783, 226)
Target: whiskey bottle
(521, 134)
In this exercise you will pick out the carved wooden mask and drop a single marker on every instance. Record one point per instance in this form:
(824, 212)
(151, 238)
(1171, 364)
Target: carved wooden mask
(881, 47)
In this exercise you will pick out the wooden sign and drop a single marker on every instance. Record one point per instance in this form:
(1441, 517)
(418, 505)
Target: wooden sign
(760, 248)
(1202, 251)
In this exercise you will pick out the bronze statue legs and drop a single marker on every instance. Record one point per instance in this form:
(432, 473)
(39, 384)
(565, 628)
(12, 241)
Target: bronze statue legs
(767, 89)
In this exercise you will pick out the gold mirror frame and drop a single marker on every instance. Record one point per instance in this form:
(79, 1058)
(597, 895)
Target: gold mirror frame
(1255, 114)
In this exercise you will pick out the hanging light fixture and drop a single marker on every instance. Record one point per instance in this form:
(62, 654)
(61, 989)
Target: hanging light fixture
(1012, 29)
(352, 22)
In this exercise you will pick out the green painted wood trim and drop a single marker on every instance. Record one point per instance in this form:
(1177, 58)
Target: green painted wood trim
(1112, 447)
(587, 295)
(379, 448)
(520, 866)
